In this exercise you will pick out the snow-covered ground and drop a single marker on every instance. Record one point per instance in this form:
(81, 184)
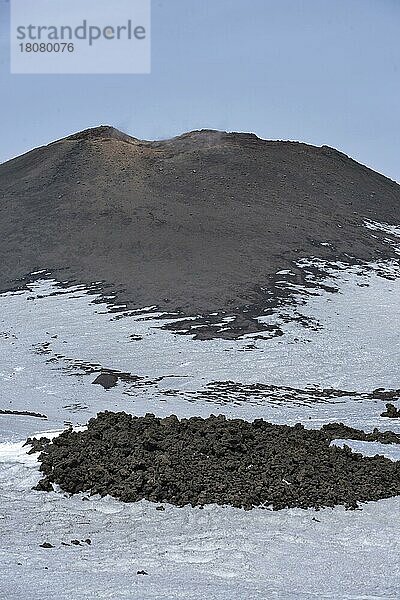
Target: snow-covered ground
(46, 333)
(215, 552)
(48, 338)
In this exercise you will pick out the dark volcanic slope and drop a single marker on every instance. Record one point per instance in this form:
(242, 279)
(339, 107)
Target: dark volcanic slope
(196, 222)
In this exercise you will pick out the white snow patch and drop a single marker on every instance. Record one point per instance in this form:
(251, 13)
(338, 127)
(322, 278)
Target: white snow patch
(391, 451)
(376, 226)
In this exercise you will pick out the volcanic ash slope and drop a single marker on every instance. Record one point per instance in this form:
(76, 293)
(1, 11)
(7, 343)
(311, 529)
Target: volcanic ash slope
(201, 222)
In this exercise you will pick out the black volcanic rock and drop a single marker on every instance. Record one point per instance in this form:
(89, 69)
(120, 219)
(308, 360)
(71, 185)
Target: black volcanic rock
(107, 380)
(391, 411)
(200, 222)
(215, 460)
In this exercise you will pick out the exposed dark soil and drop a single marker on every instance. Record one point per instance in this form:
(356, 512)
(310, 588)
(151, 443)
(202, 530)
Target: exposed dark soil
(22, 413)
(229, 462)
(382, 394)
(197, 224)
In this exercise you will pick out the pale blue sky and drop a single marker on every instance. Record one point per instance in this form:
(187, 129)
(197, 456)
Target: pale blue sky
(318, 71)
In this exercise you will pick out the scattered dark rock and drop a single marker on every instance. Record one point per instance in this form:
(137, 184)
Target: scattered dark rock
(43, 348)
(204, 461)
(76, 542)
(46, 545)
(107, 380)
(141, 573)
(161, 507)
(382, 394)
(75, 407)
(391, 411)
(88, 541)
(208, 327)
(224, 392)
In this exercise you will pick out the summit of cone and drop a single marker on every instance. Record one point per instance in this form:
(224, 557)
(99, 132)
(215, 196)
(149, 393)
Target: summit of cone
(102, 132)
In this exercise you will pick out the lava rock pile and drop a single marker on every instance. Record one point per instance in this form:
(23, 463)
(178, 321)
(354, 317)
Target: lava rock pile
(203, 461)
